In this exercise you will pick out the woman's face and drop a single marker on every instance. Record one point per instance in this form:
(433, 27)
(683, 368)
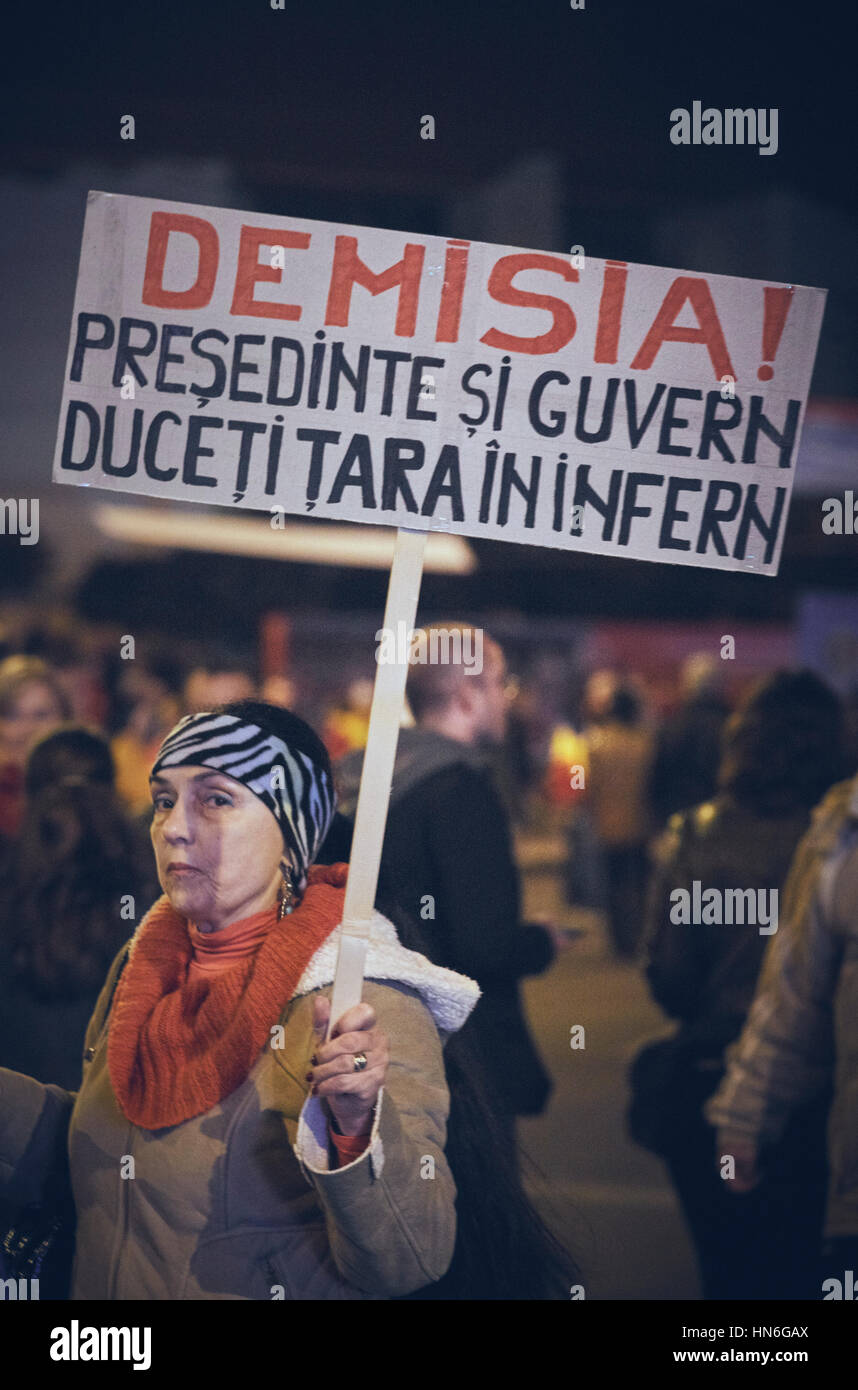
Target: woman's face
(33, 711)
(217, 846)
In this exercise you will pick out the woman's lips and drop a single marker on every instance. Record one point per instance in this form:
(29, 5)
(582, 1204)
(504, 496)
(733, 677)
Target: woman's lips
(181, 869)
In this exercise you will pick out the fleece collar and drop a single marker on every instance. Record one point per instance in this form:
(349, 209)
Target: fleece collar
(449, 996)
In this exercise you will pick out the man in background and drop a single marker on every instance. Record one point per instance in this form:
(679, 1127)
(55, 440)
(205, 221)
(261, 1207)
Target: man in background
(447, 849)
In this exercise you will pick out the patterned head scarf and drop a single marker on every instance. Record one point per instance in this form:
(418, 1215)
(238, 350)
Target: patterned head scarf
(275, 755)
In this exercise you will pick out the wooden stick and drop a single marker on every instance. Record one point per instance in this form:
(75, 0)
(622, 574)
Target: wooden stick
(388, 700)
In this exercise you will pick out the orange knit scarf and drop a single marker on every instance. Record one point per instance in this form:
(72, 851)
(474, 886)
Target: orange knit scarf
(176, 1047)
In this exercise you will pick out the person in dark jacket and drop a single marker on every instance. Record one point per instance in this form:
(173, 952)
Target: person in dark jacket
(447, 852)
(688, 746)
(72, 888)
(782, 749)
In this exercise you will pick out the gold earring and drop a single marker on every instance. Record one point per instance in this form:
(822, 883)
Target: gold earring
(286, 904)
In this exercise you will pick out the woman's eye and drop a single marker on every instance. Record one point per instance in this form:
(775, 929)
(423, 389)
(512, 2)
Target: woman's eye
(219, 799)
(160, 802)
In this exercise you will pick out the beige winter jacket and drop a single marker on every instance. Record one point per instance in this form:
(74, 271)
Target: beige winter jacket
(802, 1031)
(243, 1202)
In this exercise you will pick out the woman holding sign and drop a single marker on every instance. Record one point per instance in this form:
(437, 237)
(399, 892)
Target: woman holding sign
(219, 1147)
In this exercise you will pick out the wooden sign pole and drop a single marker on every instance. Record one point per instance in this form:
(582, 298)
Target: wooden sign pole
(388, 701)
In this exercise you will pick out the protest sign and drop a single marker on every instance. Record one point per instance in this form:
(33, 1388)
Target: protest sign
(431, 383)
(375, 376)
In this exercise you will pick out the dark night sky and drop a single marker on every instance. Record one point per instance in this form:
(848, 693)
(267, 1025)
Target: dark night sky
(335, 90)
(316, 110)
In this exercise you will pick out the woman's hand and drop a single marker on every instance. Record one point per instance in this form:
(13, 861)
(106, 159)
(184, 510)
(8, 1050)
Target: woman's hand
(351, 1095)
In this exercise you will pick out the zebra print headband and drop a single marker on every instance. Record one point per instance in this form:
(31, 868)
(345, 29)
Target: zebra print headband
(298, 792)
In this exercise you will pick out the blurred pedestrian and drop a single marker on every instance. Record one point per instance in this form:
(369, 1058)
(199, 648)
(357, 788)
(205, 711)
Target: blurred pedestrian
(31, 702)
(781, 750)
(149, 705)
(76, 882)
(688, 745)
(584, 876)
(619, 753)
(75, 655)
(800, 1042)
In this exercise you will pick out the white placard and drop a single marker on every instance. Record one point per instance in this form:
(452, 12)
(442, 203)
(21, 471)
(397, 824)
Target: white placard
(391, 378)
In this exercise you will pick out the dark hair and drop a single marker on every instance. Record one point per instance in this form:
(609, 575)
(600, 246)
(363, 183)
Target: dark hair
(76, 859)
(784, 745)
(72, 752)
(503, 1248)
(625, 706)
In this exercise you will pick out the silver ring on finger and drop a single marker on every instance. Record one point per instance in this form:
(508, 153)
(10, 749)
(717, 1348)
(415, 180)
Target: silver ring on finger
(360, 1061)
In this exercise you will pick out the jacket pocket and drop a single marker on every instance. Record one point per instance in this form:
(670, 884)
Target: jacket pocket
(267, 1263)
(299, 1261)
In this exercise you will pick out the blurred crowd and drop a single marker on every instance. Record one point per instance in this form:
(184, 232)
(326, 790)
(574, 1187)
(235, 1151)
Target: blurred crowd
(606, 772)
(644, 798)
